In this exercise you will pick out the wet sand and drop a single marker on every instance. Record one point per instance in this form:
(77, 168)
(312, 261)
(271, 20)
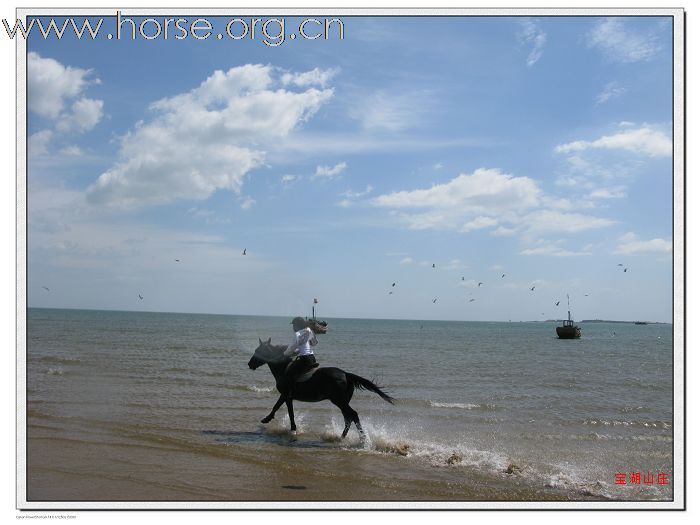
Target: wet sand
(69, 470)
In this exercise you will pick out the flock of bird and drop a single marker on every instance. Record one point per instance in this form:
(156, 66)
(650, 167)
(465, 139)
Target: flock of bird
(480, 283)
(393, 284)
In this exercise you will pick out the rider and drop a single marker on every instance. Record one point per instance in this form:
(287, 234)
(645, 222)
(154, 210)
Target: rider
(304, 339)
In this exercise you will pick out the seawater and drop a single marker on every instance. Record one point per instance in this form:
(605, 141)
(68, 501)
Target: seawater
(163, 406)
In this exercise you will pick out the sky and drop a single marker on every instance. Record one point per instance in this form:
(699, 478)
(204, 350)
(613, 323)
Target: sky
(386, 174)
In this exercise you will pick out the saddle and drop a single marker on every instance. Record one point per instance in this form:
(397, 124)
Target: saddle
(306, 375)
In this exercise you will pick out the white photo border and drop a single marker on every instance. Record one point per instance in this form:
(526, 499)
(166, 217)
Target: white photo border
(679, 247)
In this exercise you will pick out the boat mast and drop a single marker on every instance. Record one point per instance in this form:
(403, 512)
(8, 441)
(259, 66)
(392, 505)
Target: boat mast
(568, 306)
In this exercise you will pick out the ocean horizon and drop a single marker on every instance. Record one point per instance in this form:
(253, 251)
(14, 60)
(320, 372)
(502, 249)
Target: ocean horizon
(323, 317)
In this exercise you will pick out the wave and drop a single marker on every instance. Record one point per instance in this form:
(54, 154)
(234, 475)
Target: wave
(638, 424)
(464, 406)
(400, 442)
(254, 388)
(59, 360)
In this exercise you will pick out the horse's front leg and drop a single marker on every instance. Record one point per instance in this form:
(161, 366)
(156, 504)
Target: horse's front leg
(269, 417)
(290, 409)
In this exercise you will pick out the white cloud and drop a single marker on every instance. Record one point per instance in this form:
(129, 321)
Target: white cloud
(488, 198)
(438, 166)
(502, 231)
(392, 111)
(485, 192)
(608, 193)
(550, 221)
(315, 77)
(406, 260)
(619, 43)
(247, 203)
(478, 224)
(208, 216)
(72, 150)
(532, 35)
(329, 172)
(552, 249)
(38, 142)
(50, 84)
(611, 90)
(643, 140)
(356, 194)
(85, 114)
(286, 179)
(50, 87)
(351, 196)
(630, 244)
(206, 139)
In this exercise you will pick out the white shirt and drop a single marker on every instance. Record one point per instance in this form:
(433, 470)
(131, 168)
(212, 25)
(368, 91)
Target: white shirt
(303, 341)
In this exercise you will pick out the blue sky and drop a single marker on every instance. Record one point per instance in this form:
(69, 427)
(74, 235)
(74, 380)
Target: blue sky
(539, 148)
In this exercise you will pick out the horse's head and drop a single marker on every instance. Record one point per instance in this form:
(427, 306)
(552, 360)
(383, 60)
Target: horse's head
(264, 353)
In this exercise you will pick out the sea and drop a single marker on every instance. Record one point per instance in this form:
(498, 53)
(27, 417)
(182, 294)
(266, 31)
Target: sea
(162, 407)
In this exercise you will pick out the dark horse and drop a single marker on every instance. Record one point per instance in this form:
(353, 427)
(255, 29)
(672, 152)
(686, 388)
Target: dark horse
(333, 384)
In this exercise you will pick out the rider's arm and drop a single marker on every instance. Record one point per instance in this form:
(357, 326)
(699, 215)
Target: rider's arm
(312, 338)
(293, 347)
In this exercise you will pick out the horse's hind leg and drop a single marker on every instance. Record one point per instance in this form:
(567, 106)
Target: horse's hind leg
(346, 416)
(350, 417)
(356, 419)
(347, 425)
(290, 409)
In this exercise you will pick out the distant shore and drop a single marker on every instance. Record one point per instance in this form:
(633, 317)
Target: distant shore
(340, 318)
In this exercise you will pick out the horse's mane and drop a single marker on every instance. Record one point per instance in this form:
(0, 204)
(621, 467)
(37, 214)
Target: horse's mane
(274, 348)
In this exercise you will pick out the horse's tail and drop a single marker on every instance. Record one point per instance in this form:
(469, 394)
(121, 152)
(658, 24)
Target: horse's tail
(366, 384)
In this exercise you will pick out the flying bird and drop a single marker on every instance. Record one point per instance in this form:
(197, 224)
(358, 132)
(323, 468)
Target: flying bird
(503, 275)
(244, 250)
(393, 284)
(391, 293)
(625, 270)
(472, 300)
(45, 288)
(435, 300)
(433, 265)
(532, 289)
(557, 303)
(463, 278)
(620, 264)
(479, 284)
(141, 297)
(177, 260)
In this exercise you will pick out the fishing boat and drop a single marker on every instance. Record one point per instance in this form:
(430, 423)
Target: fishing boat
(640, 322)
(568, 330)
(317, 326)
